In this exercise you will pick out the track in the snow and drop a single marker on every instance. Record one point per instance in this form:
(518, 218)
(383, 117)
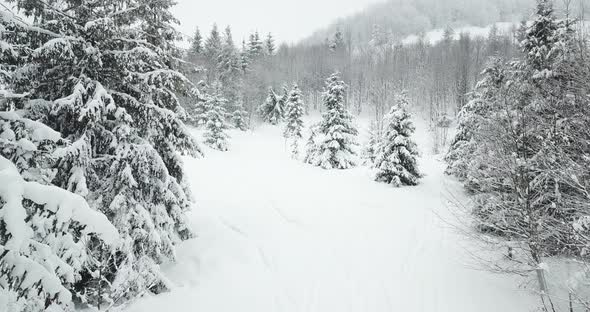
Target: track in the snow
(277, 235)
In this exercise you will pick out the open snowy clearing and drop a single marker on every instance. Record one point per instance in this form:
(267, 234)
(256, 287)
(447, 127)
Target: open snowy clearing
(275, 234)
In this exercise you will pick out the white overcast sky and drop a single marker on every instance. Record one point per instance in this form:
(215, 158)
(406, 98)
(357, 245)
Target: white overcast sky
(289, 21)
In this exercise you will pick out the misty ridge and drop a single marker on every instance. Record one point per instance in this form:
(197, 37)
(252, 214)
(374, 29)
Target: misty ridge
(419, 155)
(401, 18)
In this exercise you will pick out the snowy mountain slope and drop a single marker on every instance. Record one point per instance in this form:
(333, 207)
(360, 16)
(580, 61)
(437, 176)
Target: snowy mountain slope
(404, 17)
(504, 28)
(436, 35)
(275, 234)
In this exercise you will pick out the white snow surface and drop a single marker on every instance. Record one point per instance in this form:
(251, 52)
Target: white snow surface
(436, 35)
(275, 234)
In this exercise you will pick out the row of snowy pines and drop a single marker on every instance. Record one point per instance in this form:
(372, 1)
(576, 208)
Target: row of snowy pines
(221, 49)
(522, 149)
(93, 194)
(211, 112)
(222, 69)
(332, 143)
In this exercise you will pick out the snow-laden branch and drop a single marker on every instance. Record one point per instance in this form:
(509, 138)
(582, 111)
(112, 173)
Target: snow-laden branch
(66, 206)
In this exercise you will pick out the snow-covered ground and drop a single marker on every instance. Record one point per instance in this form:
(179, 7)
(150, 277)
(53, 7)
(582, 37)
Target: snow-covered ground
(276, 235)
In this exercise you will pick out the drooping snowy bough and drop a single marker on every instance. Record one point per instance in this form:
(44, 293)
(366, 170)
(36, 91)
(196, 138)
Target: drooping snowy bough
(43, 230)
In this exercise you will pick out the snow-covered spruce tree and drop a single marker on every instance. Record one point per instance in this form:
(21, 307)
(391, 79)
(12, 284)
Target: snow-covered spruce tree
(269, 45)
(255, 46)
(396, 155)
(283, 100)
(107, 72)
(294, 114)
(472, 118)
(43, 229)
(215, 136)
(370, 149)
(211, 50)
(244, 58)
(528, 170)
(271, 110)
(335, 142)
(239, 116)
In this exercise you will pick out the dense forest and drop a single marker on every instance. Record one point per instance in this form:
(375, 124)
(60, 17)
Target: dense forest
(437, 77)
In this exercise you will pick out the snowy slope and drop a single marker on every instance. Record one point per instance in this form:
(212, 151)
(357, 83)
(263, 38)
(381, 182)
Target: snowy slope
(504, 28)
(436, 35)
(278, 235)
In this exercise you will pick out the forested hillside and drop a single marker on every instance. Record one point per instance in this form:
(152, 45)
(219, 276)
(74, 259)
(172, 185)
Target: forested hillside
(359, 170)
(399, 18)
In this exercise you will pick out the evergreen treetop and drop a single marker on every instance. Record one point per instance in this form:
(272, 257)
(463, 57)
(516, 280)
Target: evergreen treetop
(270, 45)
(197, 43)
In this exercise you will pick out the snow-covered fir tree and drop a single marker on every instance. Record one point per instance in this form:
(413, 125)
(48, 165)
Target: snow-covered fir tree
(269, 45)
(271, 110)
(215, 125)
(255, 46)
(211, 51)
(244, 57)
(195, 111)
(43, 228)
(284, 99)
(472, 118)
(293, 116)
(107, 84)
(196, 43)
(239, 117)
(541, 36)
(396, 157)
(229, 68)
(213, 44)
(334, 146)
